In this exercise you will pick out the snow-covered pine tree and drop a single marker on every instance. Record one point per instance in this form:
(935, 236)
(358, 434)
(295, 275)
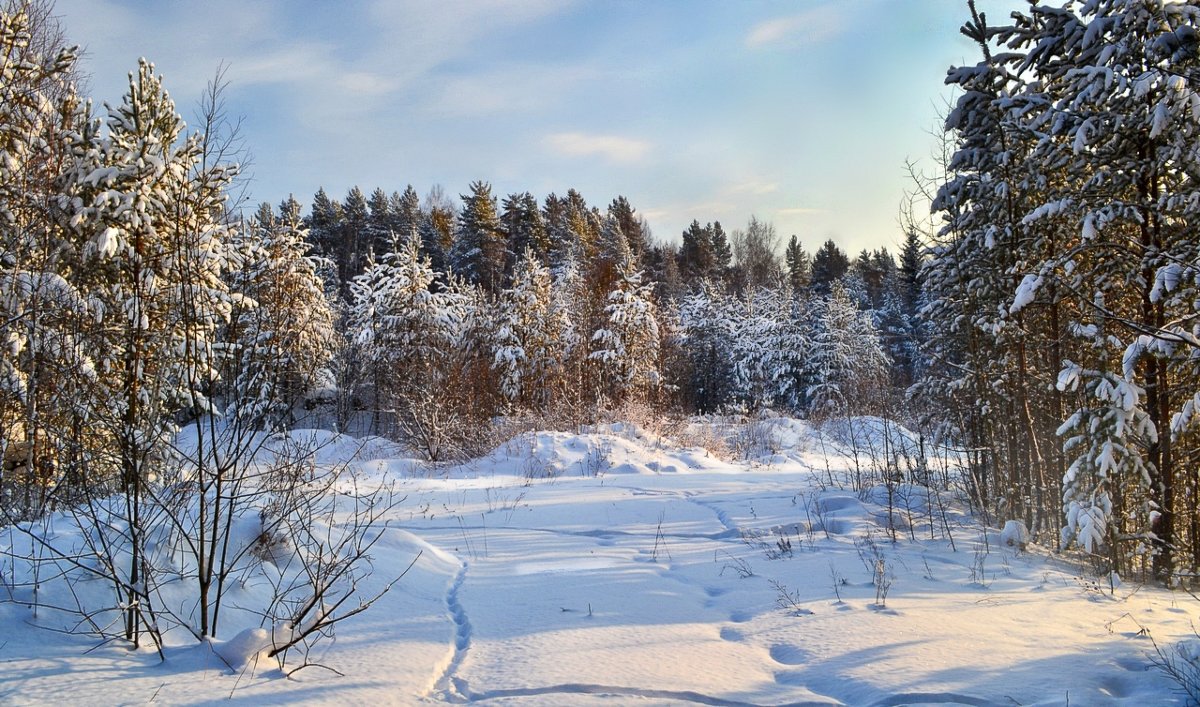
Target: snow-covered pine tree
(633, 226)
(626, 348)
(847, 366)
(562, 245)
(1119, 114)
(612, 256)
(284, 328)
(583, 226)
(154, 266)
(400, 327)
(986, 375)
(769, 350)
(529, 337)
(44, 367)
(708, 322)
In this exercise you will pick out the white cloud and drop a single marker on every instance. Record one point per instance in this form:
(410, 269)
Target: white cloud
(799, 211)
(809, 27)
(518, 87)
(611, 147)
(757, 188)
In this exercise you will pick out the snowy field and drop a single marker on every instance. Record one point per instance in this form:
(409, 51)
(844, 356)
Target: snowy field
(619, 568)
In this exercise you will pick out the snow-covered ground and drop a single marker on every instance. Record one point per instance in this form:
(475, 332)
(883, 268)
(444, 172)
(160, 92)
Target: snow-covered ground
(616, 567)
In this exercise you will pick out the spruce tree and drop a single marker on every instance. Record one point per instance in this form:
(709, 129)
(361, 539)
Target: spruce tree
(406, 213)
(829, 265)
(480, 244)
(799, 266)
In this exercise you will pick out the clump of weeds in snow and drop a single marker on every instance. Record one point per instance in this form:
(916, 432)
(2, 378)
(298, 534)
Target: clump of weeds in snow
(869, 552)
(978, 570)
(732, 562)
(754, 440)
(884, 576)
(788, 600)
(597, 460)
(660, 540)
(928, 570)
(772, 547)
(1179, 662)
(711, 435)
(877, 565)
(838, 582)
(815, 514)
(503, 502)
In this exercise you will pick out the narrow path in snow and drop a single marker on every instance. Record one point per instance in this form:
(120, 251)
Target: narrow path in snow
(450, 688)
(601, 533)
(722, 516)
(931, 698)
(617, 691)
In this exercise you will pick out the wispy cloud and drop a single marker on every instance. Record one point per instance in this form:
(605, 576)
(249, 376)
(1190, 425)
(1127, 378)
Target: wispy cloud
(799, 211)
(610, 147)
(757, 188)
(809, 27)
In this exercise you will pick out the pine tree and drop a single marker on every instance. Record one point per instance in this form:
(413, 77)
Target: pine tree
(354, 237)
(829, 265)
(708, 329)
(155, 260)
(402, 326)
(530, 337)
(480, 244)
(910, 274)
(721, 250)
(283, 327)
(626, 348)
(583, 226)
(406, 217)
(1121, 121)
(697, 260)
(524, 228)
(770, 348)
(45, 368)
(799, 266)
(380, 237)
(632, 226)
(847, 364)
(324, 223)
(562, 245)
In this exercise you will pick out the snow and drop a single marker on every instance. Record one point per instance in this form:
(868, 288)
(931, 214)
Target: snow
(615, 566)
(1026, 292)
(1014, 534)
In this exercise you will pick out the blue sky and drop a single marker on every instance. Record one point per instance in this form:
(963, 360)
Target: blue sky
(802, 113)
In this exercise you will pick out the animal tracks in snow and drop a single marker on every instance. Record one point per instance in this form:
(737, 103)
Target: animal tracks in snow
(448, 685)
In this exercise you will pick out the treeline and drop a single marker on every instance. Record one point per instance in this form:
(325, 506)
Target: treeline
(454, 315)
(1064, 289)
